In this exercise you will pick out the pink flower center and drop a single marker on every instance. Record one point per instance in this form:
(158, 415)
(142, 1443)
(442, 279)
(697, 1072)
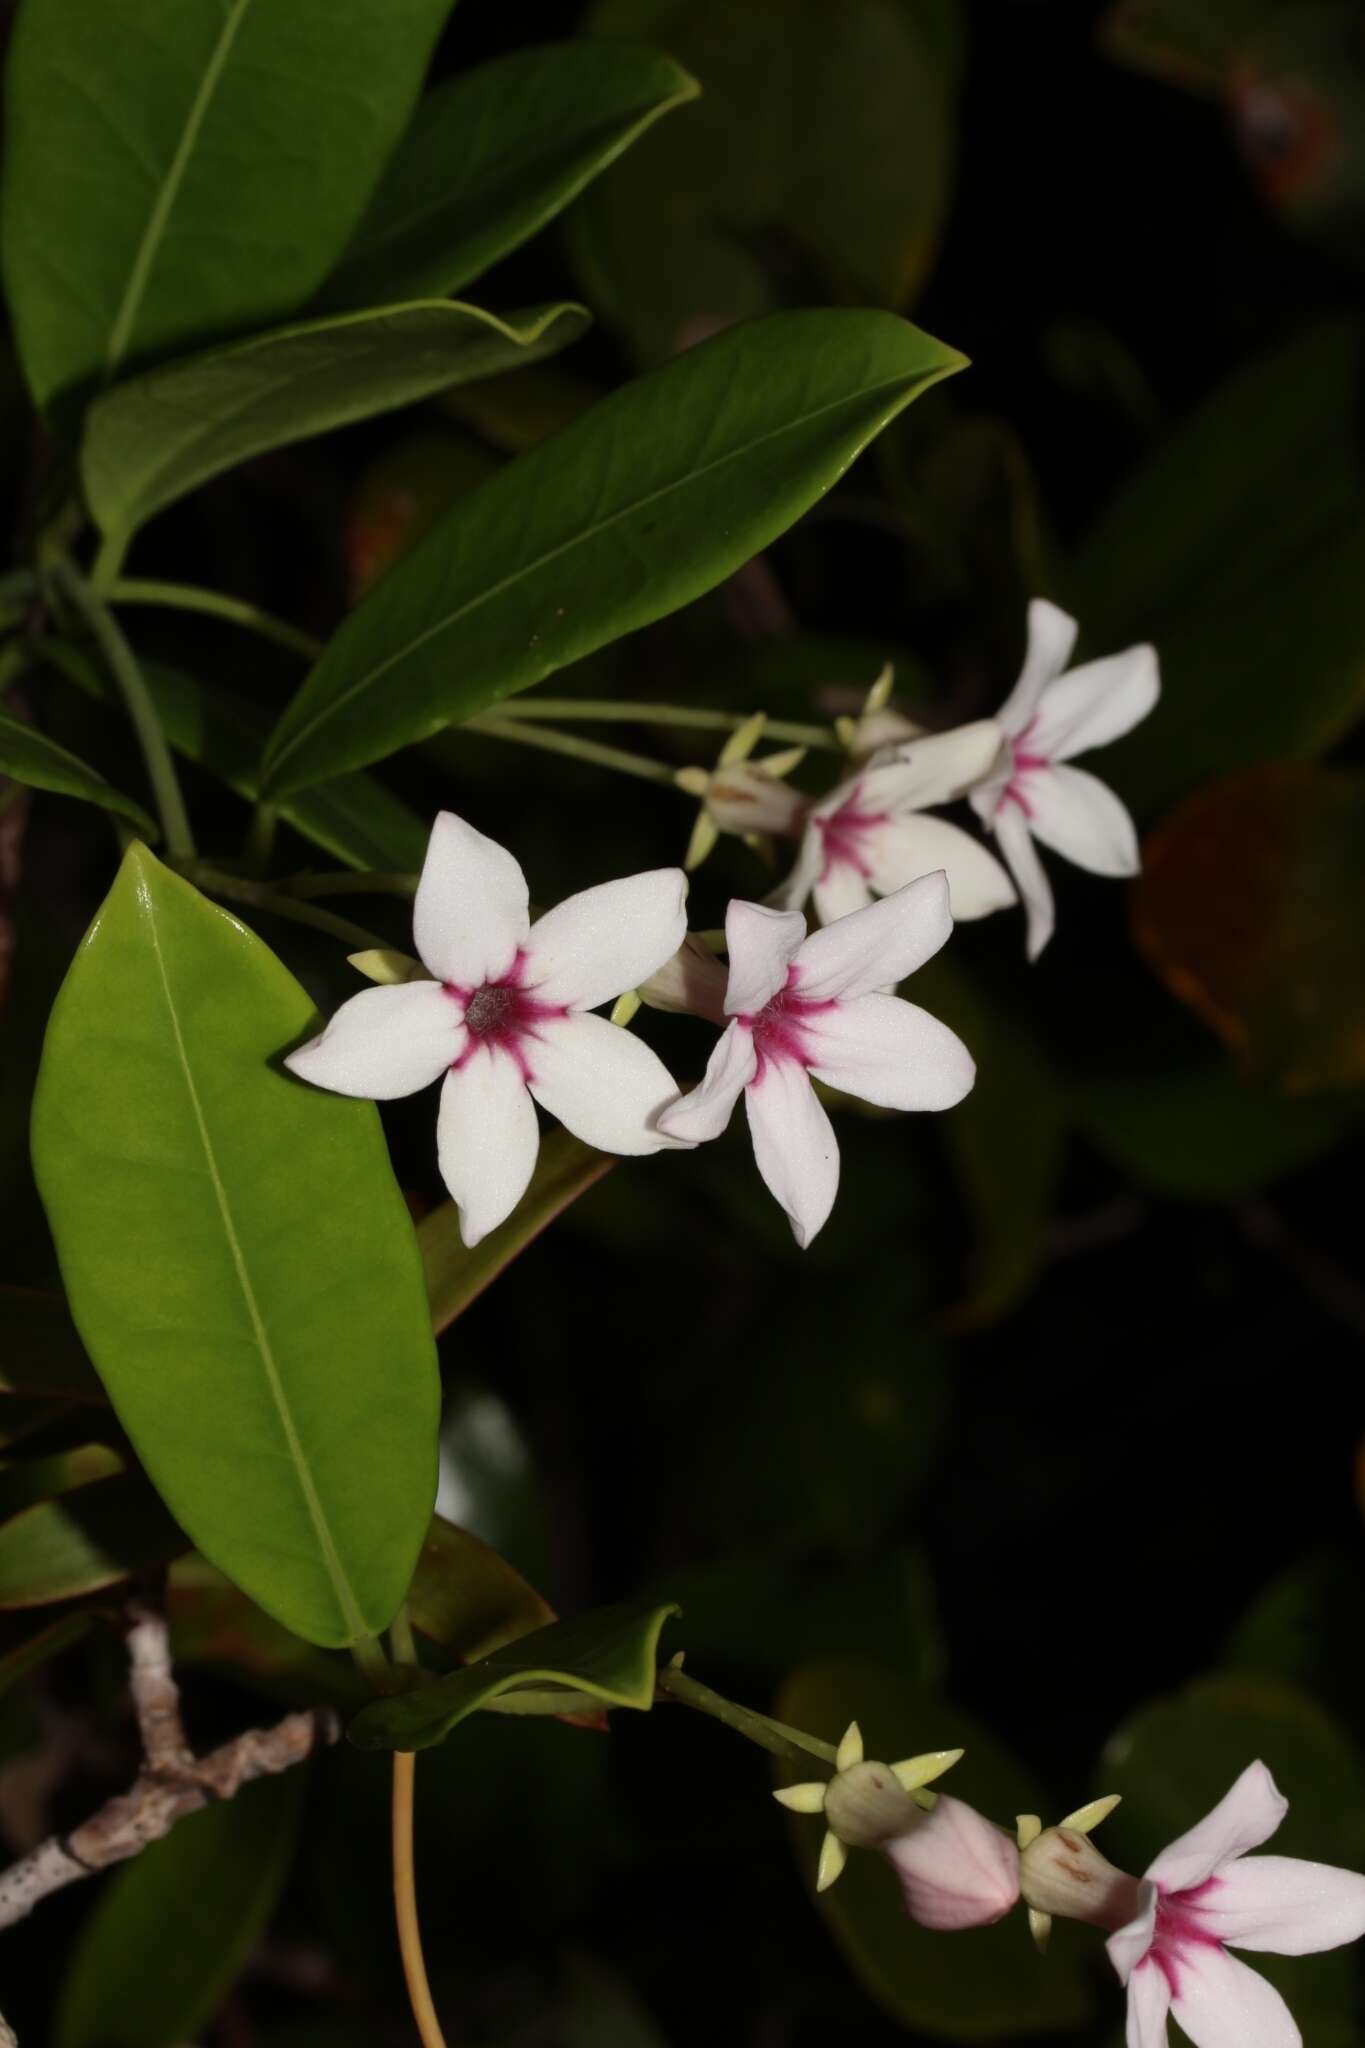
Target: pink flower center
(503, 1016)
(1024, 761)
(845, 834)
(781, 1029)
(1180, 1929)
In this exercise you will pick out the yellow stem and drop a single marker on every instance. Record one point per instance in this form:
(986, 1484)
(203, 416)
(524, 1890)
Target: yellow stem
(405, 1903)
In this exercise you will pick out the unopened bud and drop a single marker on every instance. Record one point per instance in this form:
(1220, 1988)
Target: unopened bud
(956, 1868)
(746, 796)
(693, 983)
(1061, 1872)
(866, 1807)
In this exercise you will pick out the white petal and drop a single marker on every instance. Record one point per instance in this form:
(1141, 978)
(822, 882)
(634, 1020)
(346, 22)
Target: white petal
(878, 945)
(1283, 1905)
(596, 944)
(891, 1053)
(910, 847)
(385, 1042)
(794, 1145)
(1220, 2003)
(1244, 1818)
(1079, 817)
(810, 861)
(486, 1140)
(936, 769)
(604, 1084)
(707, 1110)
(1051, 637)
(1149, 2001)
(1012, 836)
(471, 916)
(1129, 1944)
(762, 945)
(1095, 704)
(841, 892)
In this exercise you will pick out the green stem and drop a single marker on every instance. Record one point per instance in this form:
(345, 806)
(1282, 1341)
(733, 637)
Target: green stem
(607, 709)
(260, 896)
(569, 743)
(774, 1736)
(369, 1655)
(189, 597)
(107, 563)
(401, 1642)
(364, 883)
(122, 665)
(260, 839)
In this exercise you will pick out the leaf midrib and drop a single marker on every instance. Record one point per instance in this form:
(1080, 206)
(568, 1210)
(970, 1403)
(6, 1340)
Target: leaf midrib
(582, 538)
(341, 1586)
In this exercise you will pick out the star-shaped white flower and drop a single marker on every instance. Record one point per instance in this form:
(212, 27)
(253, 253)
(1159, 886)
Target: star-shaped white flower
(1205, 1891)
(811, 1008)
(506, 1018)
(1049, 716)
(869, 838)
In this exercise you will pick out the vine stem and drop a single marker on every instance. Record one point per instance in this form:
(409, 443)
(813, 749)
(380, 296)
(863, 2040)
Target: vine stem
(190, 597)
(523, 733)
(792, 1743)
(405, 1903)
(608, 709)
(238, 889)
(122, 665)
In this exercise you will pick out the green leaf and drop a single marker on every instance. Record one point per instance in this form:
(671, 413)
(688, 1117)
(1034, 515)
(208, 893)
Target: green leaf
(823, 134)
(467, 1598)
(986, 1984)
(1203, 1132)
(43, 1353)
(238, 1260)
(490, 157)
(151, 440)
(95, 1537)
(610, 1654)
(31, 1480)
(45, 1643)
(646, 501)
(38, 762)
(193, 176)
(456, 1276)
(174, 1929)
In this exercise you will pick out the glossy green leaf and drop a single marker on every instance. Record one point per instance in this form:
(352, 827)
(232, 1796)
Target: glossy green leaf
(33, 759)
(986, 1984)
(151, 440)
(492, 155)
(193, 176)
(43, 1353)
(238, 1260)
(45, 1643)
(610, 1654)
(649, 499)
(455, 1275)
(97, 1536)
(173, 1929)
(825, 134)
(467, 1598)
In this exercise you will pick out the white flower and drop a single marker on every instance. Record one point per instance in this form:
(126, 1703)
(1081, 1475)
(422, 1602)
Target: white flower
(867, 838)
(1047, 717)
(506, 1019)
(1204, 1892)
(803, 1008)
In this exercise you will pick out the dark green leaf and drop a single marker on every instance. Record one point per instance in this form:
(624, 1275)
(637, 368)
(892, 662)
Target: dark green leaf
(173, 1930)
(238, 1260)
(456, 1276)
(610, 1654)
(491, 156)
(30, 1480)
(43, 1354)
(467, 1598)
(31, 758)
(1204, 1132)
(95, 1537)
(149, 441)
(45, 1642)
(649, 499)
(192, 176)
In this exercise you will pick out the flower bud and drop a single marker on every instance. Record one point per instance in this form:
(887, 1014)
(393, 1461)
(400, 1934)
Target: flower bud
(749, 796)
(693, 982)
(866, 1807)
(956, 1868)
(1061, 1872)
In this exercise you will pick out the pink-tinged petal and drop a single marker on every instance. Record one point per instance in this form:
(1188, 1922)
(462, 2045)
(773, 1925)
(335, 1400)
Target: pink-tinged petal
(890, 1053)
(1051, 637)
(691, 983)
(707, 1110)
(935, 769)
(471, 916)
(385, 1042)
(604, 1084)
(1079, 817)
(876, 946)
(597, 944)
(1220, 2003)
(1015, 842)
(841, 891)
(761, 944)
(1283, 1905)
(1095, 704)
(1128, 1945)
(486, 1140)
(794, 1145)
(910, 847)
(1149, 2001)
(1243, 1818)
(957, 1869)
